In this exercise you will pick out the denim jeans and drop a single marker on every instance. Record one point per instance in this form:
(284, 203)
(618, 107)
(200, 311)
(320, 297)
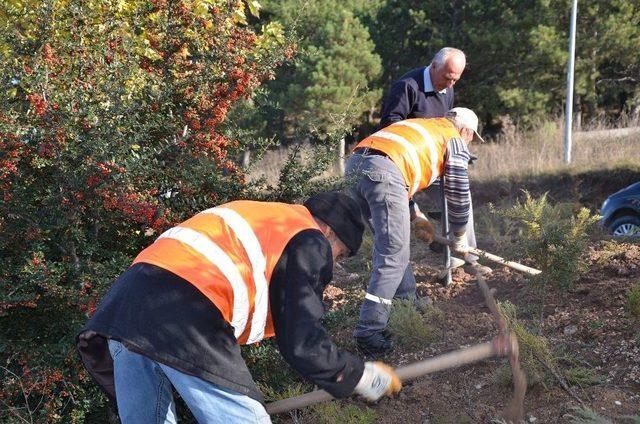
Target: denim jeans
(144, 393)
(378, 186)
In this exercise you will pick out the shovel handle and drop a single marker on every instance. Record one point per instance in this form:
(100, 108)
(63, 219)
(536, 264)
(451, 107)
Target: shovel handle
(494, 258)
(418, 369)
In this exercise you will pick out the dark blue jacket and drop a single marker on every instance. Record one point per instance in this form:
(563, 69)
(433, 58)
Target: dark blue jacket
(407, 99)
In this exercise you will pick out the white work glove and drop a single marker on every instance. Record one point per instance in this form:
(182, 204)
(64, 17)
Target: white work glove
(423, 228)
(378, 379)
(460, 244)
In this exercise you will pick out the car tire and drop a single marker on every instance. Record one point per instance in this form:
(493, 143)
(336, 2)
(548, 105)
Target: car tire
(628, 225)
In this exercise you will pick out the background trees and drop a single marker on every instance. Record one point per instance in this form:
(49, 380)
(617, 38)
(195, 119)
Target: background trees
(516, 52)
(330, 85)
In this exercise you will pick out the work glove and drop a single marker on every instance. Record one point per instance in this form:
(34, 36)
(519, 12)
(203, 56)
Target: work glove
(378, 379)
(423, 228)
(460, 244)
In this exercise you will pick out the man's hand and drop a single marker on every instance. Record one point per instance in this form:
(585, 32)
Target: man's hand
(423, 228)
(378, 379)
(460, 243)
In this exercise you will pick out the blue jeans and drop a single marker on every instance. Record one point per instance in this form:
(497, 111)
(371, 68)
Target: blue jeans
(379, 187)
(144, 393)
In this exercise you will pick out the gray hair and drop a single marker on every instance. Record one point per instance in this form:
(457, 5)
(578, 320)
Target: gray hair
(457, 124)
(441, 57)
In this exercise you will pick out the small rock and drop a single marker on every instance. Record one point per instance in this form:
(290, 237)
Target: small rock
(479, 386)
(570, 330)
(532, 419)
(618, 403)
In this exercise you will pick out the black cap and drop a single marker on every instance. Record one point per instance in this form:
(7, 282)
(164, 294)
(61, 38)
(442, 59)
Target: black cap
(342, 214)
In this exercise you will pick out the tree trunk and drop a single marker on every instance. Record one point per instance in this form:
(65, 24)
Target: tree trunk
(634, 114)
(591, 97)
(577, 113)
(246, 158)
(341, 149)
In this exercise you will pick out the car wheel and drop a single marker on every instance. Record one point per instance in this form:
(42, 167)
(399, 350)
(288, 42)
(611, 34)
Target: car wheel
(628, 225)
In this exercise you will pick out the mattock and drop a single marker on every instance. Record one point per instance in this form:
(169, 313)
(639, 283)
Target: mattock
(505, 344)
(515, 411)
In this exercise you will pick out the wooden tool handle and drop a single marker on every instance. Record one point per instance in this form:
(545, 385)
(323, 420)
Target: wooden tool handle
(494, 258)
(406, 373)
(515, 265)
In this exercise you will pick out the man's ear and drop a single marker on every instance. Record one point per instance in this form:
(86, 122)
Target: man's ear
(468, 135)
(324, 228)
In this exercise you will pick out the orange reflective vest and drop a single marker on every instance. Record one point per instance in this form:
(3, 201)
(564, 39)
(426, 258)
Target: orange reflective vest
(229, 253)
(416, 146)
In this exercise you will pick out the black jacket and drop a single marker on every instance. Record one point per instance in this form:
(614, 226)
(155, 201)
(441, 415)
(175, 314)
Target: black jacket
(407, 99)
(162, 316)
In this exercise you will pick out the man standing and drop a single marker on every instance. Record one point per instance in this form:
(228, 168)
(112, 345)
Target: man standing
(425, 92)
(388, 168)
(230, 275)
(428, 93)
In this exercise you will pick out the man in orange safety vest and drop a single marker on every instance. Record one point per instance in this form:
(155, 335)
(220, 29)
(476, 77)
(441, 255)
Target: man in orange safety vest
(233, 274)
(386, 170)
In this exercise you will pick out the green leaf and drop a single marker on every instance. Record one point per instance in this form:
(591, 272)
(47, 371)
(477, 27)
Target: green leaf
(254, 8)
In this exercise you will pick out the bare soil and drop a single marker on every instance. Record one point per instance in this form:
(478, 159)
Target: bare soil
(585, 327)
(605, 340)
(587, 323)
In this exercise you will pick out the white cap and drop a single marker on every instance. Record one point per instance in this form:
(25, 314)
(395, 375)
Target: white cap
(465, 118)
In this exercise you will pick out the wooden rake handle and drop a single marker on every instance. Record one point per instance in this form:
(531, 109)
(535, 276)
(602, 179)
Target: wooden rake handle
(500, 346)
(494, 258)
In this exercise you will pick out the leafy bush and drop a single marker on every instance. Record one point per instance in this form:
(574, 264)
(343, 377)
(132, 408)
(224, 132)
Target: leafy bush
(111, 129)
(633, 302)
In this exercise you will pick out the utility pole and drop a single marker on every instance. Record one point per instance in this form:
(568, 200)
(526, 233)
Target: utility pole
(568, 120)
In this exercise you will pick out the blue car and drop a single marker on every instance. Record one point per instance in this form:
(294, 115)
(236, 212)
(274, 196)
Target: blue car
(621, 212)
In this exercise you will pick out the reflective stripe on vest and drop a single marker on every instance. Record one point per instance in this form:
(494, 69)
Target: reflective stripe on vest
(207, 248)
(416, 146)
(229, 253)
(433, 153)
(413, 157)
(258, 265)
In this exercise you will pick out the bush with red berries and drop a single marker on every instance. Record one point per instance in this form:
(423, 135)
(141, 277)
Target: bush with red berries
(111, 118)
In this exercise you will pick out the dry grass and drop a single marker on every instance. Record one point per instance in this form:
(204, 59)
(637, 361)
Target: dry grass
(519, 153)
(269, 166)
(541, 151)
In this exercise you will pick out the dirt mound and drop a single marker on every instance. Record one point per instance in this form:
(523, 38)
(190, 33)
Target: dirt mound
(588, 188)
